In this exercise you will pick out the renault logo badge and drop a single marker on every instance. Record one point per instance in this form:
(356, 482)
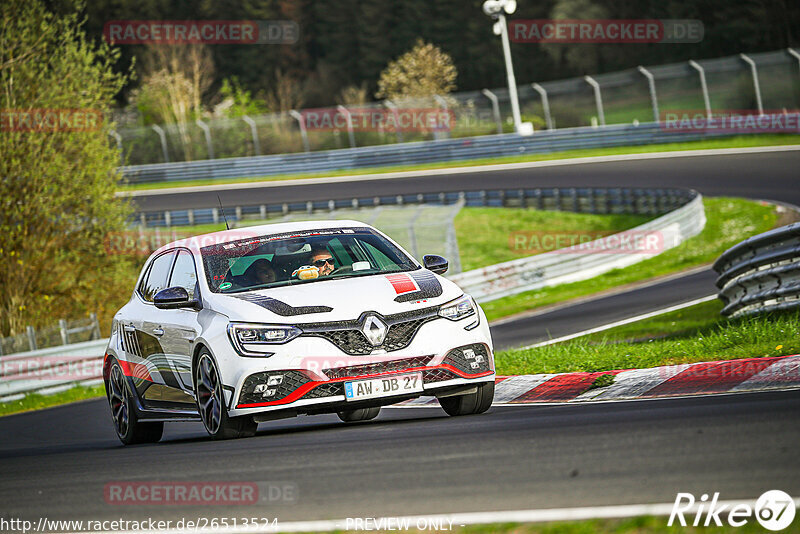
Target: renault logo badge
(374, 329)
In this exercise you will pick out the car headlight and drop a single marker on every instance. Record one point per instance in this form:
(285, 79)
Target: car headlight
(254, 339)
(457, 309)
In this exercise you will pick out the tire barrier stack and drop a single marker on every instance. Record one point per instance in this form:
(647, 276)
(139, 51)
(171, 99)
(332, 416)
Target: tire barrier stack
(761, 274)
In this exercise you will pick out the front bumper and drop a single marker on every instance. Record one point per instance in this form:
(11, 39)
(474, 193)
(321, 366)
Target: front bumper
(307, 391)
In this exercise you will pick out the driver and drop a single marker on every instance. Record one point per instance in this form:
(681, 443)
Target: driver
(322, 260)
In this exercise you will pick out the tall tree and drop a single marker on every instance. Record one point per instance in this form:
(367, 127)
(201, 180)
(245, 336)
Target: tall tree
(57, 201)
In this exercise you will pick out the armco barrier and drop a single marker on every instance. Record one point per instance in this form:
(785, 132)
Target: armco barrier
(51, 369)
(579, 200)
(488, 146)
(558, 267)
(761, 274)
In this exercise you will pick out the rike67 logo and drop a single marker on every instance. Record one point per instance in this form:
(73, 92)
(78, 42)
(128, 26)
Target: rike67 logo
(774, 510)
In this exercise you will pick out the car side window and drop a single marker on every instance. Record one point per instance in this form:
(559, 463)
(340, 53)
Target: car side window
(184, 274)
(156, 278)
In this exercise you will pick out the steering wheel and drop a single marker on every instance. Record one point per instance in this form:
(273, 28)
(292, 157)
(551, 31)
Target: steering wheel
(342, 269)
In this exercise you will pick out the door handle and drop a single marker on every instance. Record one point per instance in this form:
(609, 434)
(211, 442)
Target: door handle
(158, 331)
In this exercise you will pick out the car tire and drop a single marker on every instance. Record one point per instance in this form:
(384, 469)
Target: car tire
(211, 403)
(130, 430)
(471, 403)
(361, 414)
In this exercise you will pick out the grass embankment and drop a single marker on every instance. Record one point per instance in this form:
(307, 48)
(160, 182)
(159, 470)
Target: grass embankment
(729, 142)
(729, 221)
(695, 334)
(34, 401)
(634, 525)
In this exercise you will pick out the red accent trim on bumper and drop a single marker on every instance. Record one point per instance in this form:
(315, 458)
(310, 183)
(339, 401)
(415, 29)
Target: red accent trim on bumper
(308, 386)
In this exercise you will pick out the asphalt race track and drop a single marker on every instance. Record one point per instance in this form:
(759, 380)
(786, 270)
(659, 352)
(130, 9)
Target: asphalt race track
(601, 311)
(417, 460)
(773, 176)
(57, 462)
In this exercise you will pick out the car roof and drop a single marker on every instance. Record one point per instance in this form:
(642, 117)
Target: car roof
(194, 243)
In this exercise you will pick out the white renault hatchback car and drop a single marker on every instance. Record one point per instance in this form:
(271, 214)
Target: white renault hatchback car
(245, 326)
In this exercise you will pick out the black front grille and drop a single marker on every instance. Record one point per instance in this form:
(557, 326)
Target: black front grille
(437, 375)
(291, 381)
(377, 368)
(476, 363)
(349, 341)
(347, 335)
(325, 390)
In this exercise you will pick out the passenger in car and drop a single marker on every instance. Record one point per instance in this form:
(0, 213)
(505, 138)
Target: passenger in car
(259, 272)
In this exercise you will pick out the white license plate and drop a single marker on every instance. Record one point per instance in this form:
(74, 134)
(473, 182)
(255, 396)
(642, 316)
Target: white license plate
(383, 387)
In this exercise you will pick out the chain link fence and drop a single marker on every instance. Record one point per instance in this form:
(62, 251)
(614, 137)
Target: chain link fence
(769, 81)
(64, 333)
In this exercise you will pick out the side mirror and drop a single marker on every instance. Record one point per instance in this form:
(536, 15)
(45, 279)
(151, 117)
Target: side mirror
(435, 263)
(173, 298)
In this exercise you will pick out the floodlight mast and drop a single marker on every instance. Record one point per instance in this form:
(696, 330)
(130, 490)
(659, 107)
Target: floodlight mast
(498, 9)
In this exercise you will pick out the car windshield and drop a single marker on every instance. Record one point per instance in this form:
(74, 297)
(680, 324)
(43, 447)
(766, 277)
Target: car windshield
(300, 258)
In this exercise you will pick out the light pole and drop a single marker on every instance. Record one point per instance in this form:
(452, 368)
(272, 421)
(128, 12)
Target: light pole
(498, 9)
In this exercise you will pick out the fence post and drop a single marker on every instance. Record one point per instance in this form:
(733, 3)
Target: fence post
(163, 138)
(756, 86)
(31, 337)
(495, 108)
(302, 123)
(794, 53)
(350, 133)
(412, 235)
(437, 132)
(598, 99)
(62, 325)
(118, 138)
(545, 104)
(254, 133)
(207, 134)
(651, 83)
(96, 323)
(707, 101)
(391, 105)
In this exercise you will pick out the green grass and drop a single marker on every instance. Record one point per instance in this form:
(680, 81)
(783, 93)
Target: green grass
(634, 525)
(729, 221)
(729, 142)
(686, 322)
(691, 335)
(488, 235)
(485, 235)
(35, 401)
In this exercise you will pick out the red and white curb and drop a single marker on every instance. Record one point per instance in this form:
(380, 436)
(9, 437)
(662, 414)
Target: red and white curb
(726, 376)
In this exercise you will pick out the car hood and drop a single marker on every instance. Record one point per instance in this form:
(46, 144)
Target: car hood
(337, 300)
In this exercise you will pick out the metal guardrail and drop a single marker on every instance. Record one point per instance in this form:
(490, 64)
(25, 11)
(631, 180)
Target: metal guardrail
(487, 146)
(761, 274)
(63, 334)
(579, 200)
(51, 370)
(581, 263)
